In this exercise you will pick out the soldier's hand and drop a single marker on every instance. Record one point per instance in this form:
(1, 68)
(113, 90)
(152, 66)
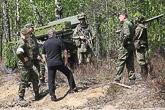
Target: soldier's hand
(86, 42)
(66, 63)
(25, 59)
(39, 58)
(82, 37)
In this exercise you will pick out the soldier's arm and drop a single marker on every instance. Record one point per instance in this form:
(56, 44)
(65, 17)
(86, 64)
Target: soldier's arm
(137, 33)
(126, 33)
(76, 37)
(20, 52)
(75, 34)
(44, 54)
(36, 45)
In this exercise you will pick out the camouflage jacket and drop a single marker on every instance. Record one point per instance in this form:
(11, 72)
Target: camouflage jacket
(23, 51)
(33, 47)
(140, 38)
(127, 33)
(81, 31)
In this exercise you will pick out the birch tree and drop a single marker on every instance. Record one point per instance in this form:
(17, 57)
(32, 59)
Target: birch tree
(6, 22)
(36, 12)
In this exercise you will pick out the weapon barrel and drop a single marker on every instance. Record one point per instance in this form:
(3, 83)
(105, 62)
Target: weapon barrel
(153, 18)
(118, 31)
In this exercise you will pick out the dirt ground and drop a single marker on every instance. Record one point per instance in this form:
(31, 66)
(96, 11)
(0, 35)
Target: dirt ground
(97, 94)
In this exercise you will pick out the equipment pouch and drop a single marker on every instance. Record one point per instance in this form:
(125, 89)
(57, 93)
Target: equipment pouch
(78, 43)
(142, 43)
(137, 44)
(82, 48)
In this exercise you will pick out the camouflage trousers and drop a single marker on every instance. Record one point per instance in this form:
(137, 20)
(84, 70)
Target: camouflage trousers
(40, 67)
(141, 56)
(84, 57)
(125, 57)
(27, 75)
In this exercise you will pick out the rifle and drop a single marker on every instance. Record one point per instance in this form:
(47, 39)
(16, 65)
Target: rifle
(146, 21)
(90, 44)
(153, 18)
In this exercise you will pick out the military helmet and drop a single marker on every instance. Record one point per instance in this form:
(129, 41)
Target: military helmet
(29, 25)
(81, 16)
(25, 31)
(138, 17)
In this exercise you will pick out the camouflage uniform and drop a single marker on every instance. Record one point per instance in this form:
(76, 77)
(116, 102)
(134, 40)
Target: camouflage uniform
(58, 11)
(34, 52)
(141, 44)
(27, 72)
(84, 52)
(126, 51)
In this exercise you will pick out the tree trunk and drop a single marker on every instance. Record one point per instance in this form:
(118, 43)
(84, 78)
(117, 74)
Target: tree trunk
(1, 33)
(107, 36)
(100, 37)
(97, 45)
(17, 24)
(125, 6)
(6, 22)
(36, 13)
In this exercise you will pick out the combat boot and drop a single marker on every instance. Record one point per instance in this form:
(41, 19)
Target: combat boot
(37, 95)
(144, 72)
(22, 100)
(53, 98)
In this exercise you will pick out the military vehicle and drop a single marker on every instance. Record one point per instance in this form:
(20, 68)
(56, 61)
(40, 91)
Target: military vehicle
(64, 30)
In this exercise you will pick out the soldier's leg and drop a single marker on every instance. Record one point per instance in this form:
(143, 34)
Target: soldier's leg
(88, 57)
(130, 67)
(37, 65)
(23, 83)
(123, 53)
(140, 54)
(80, 59)
(34, 78)
(42, 72)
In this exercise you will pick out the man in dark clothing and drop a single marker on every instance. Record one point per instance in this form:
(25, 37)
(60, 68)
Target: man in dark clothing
(53, 48)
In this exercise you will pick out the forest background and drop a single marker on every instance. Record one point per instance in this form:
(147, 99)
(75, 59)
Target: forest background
(101, 14)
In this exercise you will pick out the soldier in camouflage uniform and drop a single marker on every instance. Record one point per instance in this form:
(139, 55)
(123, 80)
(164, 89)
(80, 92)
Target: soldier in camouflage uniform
(141, 45)
(34, 53)
(58, 10)
(25, 65)
(126, 50)
(83, 29)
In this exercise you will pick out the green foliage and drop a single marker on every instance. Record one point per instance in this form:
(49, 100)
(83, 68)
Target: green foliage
(9, 54)
(46, 8)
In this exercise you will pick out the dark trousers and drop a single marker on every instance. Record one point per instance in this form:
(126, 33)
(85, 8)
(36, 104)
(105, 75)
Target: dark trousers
(51, 77)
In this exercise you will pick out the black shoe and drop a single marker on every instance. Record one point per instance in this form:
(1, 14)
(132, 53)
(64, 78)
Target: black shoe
(53, 98)
(38, 96)
(22, 100)
(74, 90)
